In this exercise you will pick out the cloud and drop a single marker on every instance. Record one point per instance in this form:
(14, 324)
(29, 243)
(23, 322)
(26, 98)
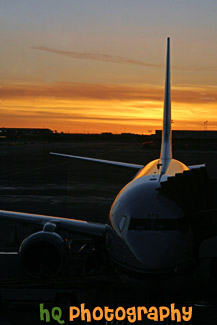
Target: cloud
(208, 98)
(118, 59)
(60, 116)
(95, 56)
(94, 92)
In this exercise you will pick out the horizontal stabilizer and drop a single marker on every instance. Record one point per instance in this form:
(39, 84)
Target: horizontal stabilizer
(108, 162)
(196, 166)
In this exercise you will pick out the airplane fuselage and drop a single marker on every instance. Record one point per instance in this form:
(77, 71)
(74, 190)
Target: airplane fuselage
(150, 232)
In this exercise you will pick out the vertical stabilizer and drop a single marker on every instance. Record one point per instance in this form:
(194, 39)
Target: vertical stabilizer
(166, 145)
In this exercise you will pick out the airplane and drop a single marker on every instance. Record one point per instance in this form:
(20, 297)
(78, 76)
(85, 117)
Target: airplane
(149, 234)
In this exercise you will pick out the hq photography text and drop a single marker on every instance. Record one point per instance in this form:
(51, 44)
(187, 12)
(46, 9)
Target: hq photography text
(132, 314)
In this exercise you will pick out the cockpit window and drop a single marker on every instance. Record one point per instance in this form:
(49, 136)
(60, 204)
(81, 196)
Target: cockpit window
(179, 224)
(122, 223)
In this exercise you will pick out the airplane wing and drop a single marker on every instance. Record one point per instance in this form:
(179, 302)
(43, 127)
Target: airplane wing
(51, 251)
(108, 162)
(70, 225)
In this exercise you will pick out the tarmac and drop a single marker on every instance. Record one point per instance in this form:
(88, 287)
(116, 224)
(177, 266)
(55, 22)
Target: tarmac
(33, 181)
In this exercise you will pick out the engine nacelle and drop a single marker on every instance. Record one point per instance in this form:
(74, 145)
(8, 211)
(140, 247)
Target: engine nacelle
(44, 254)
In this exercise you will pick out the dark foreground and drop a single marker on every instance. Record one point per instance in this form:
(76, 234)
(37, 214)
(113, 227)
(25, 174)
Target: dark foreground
(33, 181)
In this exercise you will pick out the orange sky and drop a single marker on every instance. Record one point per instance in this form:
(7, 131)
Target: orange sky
(75, 67)
(72, 107)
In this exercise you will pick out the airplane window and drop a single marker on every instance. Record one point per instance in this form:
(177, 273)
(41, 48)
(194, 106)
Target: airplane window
(122, 223)
(180, 224)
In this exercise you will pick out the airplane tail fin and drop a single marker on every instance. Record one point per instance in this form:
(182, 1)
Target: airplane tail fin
(166, 144)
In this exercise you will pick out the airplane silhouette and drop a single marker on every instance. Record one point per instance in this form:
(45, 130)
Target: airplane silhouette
(149, 233)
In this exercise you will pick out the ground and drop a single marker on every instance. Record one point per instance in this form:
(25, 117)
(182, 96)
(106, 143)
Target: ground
(31, 180)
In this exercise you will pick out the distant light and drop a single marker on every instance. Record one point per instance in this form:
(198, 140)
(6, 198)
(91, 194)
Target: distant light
(8, 253)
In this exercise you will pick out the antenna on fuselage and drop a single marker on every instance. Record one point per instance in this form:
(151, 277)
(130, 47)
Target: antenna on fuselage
(166, 144)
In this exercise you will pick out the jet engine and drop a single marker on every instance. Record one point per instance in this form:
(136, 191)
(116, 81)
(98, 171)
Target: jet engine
(44, 253)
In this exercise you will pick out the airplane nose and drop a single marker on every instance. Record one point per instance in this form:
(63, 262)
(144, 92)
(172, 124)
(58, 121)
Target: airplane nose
(160, 249)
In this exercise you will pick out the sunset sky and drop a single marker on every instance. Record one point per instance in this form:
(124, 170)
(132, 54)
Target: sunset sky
(99, 65)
